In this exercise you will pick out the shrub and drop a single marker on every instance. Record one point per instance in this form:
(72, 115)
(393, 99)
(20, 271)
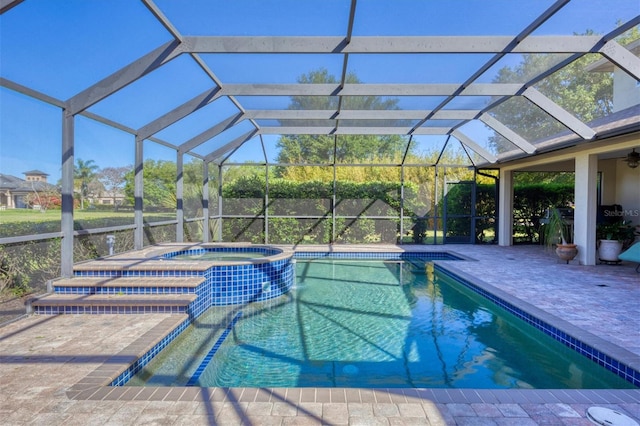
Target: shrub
(244, 197)
(25, 267)
(530, 203)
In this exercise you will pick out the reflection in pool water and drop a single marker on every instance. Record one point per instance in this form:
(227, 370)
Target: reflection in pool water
(351, 323)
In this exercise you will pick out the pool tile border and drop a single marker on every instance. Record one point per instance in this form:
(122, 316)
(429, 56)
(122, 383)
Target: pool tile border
(100, 310)
(209, 356)
(430, 255)
(615, 359)
(141, 362)
(130, 289)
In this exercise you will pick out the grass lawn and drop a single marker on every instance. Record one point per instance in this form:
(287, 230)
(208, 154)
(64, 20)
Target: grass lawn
(28, 215)
(17, 222)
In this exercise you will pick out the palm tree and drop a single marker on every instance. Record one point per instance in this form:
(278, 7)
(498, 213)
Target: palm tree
(84, 172)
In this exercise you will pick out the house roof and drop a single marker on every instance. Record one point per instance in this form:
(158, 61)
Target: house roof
(9, 182)
(18, 185)
(35, 173)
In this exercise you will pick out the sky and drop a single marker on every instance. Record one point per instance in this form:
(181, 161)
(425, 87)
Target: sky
(60, 48)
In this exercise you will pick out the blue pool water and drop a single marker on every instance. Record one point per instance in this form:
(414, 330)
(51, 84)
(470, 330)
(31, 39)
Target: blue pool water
(223, 256)
(378, 323)
(223, 253)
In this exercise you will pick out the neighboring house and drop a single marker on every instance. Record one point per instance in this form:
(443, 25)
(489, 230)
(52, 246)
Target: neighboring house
(99, 195)
(108, 199)
(13, 190)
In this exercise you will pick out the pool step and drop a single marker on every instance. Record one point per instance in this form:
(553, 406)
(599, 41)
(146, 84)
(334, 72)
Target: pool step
(112, 303)
(119, 295)
(127, 285)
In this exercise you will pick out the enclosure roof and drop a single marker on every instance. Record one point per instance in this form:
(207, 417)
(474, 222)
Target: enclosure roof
(208, 78)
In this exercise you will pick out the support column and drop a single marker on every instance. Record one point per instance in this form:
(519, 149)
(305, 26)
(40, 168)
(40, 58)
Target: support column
(334, 199)
(205, 201)
(66, 224)
(266, 204)
(220, 201)
(333, 196)
(401, 228)
(584, 225)
(138, 218)
(505, 208)
(179, 196)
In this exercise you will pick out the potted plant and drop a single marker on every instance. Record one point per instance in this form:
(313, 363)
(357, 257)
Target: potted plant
(556, 232)
(612, 238)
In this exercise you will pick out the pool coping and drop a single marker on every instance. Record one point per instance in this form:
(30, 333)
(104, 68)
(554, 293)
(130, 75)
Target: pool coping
(151, 258)
(97, 384)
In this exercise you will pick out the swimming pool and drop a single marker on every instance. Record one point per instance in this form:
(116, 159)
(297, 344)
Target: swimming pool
(382, 323)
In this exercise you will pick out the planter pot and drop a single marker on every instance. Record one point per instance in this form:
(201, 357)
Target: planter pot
(566, 252)
(609, 250)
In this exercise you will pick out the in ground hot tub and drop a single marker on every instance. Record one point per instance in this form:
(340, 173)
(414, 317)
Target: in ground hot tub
(218, 253)
(238, 274)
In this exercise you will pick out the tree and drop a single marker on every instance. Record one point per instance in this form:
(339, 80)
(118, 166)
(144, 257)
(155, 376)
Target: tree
(113, 179)
(530, 178)
(319, 149)
(159, 180)
(83, 174)
(232, 173)
(44, 196)
(586, 94)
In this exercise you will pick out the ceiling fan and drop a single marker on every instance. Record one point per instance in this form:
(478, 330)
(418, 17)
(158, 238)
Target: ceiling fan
(632, 159)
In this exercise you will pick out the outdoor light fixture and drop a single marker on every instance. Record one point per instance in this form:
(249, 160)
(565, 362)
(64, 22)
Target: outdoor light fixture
(633, 159)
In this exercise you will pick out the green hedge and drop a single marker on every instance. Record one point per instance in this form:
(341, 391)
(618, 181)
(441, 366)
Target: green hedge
(36, 228)
(254, 187)
(530, 203)
(244, 197)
